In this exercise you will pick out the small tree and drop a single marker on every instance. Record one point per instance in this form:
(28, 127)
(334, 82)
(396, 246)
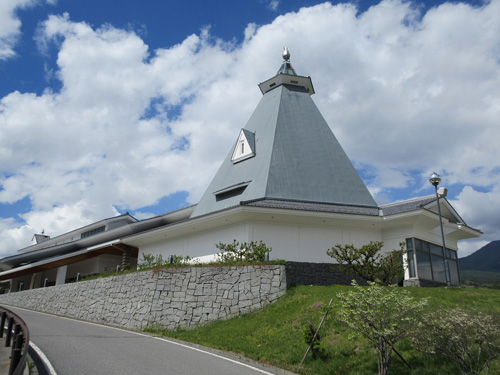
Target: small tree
(383, 315)
(236, 252)
(308, 333)
(151, 261)
(471, 340)
(179, 260)
(368, 262)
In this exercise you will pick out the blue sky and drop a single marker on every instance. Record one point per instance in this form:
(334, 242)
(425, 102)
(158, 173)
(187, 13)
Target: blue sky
(108, 107)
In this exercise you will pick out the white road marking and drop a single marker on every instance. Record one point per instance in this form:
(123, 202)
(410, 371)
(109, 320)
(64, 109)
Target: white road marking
(215, 355)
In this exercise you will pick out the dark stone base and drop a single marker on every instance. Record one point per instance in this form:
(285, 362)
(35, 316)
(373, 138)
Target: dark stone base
(302, 273)
(423, 283)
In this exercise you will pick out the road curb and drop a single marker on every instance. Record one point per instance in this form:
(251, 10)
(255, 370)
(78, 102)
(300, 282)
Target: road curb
(42, 363)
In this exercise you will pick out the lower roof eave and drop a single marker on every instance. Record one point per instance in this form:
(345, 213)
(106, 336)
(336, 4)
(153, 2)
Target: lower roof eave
(467, 232)
(241, 213)
(460, 230)
(111, 247)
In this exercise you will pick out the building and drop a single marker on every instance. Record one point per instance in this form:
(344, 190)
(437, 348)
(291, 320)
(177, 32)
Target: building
(286, 181)
(90, 250)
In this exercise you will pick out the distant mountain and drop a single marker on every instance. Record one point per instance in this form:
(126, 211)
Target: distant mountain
(486, 258)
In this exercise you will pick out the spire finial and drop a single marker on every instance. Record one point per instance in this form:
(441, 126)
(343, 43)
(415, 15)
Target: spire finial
(286, 54)
(286, 67)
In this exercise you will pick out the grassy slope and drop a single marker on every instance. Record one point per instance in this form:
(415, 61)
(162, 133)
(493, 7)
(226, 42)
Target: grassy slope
(274, 335)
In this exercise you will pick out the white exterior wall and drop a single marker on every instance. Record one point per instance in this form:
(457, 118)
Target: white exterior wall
(392, 237)
(303, 243)
(291, 242)
(197, 244)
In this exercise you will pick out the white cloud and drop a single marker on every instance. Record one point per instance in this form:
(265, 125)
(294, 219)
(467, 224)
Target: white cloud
(10, 24)
(402, 91)
(481, 210)
(273, 5)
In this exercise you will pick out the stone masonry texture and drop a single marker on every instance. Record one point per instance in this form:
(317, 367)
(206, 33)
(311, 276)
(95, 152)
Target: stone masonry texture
(170, 297)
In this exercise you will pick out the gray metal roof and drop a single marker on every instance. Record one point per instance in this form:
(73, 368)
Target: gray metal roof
(426, 203)
(313, 206)
(406, 206)
(297, 158)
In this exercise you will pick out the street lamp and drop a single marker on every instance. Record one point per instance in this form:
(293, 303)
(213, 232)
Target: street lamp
(435, 179)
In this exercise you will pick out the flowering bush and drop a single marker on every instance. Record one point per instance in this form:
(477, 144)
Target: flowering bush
(471, 340)
(383, 315)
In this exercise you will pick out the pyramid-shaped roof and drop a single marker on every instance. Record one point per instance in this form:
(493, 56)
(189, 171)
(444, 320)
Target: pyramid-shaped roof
(295, 155)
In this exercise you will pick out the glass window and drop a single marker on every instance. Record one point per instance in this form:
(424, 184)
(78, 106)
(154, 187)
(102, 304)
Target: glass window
(424, 266)
(436, 250)
(411, 263)
(426, 261)
(426, 246)
(455, 280)
(438, 269)
(409, 243)
(418, 244)
(92, 232)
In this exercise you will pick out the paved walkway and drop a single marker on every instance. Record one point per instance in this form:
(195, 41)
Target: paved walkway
(5, 358)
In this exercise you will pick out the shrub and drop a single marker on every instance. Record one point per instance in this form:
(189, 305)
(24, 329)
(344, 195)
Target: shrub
(236, 252)
(308, 332)
(151, 261)
(383, 315)
(368, 263)
(179, 260)
(471, 340)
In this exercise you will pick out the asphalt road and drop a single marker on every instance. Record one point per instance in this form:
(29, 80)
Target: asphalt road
(75, 347)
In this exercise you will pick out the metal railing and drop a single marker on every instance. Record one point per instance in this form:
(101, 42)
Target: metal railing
(17, 334)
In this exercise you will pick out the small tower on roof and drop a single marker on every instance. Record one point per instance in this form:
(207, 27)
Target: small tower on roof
(286, 75)
(286, 152)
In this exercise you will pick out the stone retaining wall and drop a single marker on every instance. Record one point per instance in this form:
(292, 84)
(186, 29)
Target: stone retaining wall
(303, 273)
(171, 297)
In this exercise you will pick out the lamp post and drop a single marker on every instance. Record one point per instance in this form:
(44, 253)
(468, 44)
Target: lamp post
(435, 179)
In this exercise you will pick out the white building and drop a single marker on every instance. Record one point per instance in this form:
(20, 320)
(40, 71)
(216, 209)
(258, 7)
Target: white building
(286, 181)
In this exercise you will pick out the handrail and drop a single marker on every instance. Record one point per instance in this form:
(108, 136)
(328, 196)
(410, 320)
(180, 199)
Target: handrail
(18, 328)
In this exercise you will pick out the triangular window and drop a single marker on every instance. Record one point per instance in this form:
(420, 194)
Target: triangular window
(245, 146)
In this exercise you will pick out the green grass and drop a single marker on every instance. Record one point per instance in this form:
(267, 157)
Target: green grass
(274, 335)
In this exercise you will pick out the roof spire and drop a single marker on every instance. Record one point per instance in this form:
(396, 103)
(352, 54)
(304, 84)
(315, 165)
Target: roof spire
(286, 54)
(286, 67)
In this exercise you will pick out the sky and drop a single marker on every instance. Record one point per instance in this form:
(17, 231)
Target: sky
(113, 106)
